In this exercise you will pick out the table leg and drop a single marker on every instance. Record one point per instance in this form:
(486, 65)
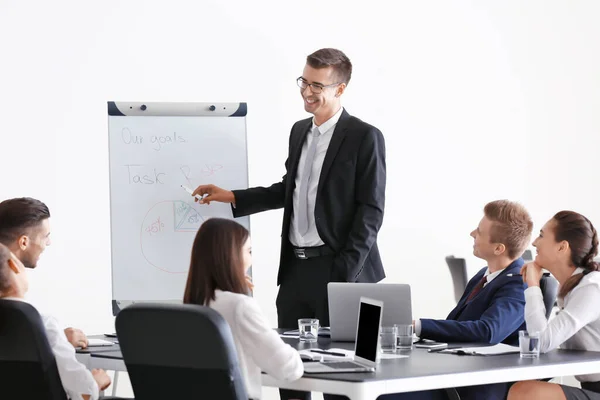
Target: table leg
(115, 381)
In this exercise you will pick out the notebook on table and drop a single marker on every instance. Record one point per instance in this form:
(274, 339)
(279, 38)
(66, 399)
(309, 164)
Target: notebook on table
(495, 350)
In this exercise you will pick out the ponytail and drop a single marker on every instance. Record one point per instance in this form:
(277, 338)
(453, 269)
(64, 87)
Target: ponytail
(570, 284)
(587, 261)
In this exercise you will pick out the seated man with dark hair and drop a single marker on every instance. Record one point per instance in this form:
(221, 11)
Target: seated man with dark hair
(25, 230)
(77, 381)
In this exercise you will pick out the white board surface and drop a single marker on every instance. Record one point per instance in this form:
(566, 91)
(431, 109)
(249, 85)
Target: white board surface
(155, 148)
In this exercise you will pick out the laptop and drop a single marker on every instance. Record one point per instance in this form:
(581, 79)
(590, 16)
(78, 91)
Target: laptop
(343, 306)
(367, 343)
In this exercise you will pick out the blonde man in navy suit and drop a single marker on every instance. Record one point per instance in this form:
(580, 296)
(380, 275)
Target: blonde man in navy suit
(491, 310)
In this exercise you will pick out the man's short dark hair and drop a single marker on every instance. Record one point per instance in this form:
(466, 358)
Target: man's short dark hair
(18, 215)
(341, 64)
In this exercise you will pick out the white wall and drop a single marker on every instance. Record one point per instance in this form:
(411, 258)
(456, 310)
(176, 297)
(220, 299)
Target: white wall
(478, 100)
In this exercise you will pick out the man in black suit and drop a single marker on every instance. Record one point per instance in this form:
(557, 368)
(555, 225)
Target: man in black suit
(333, 195)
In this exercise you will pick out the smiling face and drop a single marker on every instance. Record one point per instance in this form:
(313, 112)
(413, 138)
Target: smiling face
(32, 245)
(325, 104)
(548, 250)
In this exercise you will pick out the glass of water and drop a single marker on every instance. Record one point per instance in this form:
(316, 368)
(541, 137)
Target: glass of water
(388, 339)
(529, 344)
(405, 337)
(308, 329)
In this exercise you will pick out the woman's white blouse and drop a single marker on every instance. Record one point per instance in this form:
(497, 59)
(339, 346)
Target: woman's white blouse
(577, 324)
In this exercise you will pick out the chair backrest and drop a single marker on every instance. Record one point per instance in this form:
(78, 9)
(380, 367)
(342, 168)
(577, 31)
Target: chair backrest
(458, 271)
(177, 351)
(27, 365)
(527, 255)
(549, 288)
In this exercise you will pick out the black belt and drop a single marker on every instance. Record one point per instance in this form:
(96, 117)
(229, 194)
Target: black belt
(591, 386)
(304, 253)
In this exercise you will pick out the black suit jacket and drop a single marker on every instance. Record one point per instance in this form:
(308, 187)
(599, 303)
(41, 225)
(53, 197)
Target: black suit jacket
(350, 198)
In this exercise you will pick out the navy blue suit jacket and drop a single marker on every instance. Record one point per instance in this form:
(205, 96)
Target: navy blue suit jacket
(494, 315)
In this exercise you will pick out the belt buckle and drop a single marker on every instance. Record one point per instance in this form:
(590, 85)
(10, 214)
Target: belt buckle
(300, 254)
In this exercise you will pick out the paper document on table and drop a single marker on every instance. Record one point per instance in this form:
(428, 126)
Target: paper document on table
(495, 350)
(339, 354)
(389, 356)
(99, 342)
(325, 355)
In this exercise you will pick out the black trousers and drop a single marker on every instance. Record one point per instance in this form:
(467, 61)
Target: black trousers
(303, 294)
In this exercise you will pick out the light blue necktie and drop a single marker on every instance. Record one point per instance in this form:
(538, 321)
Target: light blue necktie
(304, 180)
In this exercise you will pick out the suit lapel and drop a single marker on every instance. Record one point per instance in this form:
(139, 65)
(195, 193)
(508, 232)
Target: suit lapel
(339, 133)
(296, 151)
(515, 267)
(463, 301)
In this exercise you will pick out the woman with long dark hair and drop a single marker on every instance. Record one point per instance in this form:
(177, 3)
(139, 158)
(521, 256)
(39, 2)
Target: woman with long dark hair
(221, 255)
(566, 247)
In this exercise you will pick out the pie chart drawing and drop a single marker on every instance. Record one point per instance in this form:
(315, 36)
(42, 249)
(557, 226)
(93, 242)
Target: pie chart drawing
(168, 232)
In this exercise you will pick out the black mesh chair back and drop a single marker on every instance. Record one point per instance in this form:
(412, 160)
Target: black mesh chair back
(549, 288)
(458, 272)
(27, 365)
(179, 352)
(527, 256)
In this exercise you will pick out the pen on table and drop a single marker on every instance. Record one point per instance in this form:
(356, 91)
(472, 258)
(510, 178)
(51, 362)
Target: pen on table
(544, 274)
(331, 353)
(443, 348)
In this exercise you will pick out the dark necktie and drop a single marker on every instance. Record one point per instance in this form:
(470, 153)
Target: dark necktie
(477, 288)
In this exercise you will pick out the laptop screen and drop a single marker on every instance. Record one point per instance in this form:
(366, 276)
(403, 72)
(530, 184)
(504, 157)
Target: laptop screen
(367, 334)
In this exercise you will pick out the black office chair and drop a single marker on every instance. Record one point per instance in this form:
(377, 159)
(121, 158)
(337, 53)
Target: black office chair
(549, 288)
(27, 365)
(179, 351)
(458, 272)
(527, 256)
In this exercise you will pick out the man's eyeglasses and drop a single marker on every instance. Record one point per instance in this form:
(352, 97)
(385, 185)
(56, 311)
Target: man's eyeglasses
(316, 88)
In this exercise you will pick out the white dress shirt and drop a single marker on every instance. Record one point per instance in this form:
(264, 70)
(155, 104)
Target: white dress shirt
(490, 277)
(259, 347)
(577, 324)
(311, 238)
(75, 377)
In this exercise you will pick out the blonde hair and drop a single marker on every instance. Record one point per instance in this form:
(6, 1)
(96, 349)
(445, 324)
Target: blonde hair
(511, 225)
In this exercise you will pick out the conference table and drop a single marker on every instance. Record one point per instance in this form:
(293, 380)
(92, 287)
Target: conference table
(421, 370)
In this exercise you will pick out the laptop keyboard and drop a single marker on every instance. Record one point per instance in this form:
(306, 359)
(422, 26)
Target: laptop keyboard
(343, 365)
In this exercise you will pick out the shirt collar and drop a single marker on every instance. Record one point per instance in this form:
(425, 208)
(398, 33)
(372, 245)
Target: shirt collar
(330, 123)
(490, 277)
(516, 263)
